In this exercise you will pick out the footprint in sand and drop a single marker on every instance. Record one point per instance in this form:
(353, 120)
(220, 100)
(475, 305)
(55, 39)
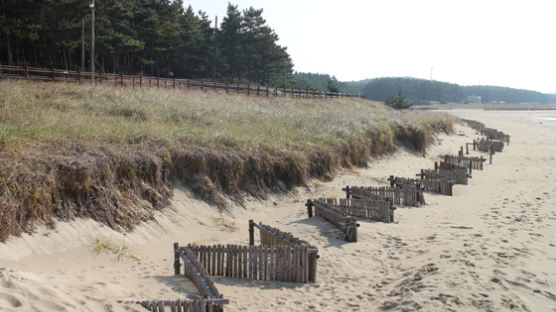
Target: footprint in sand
(7, 300)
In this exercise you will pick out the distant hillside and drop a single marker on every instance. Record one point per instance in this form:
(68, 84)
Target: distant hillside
(354, 86)
(420, 90)
(320, 82)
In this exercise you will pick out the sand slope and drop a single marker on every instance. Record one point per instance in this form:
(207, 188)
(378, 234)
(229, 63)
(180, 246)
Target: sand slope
(489, 247)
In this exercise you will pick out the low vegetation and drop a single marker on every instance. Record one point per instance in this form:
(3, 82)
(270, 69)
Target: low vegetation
(113, 154)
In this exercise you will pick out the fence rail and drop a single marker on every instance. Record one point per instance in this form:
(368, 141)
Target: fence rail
(341, 220)
(59, 75)
(407, 194)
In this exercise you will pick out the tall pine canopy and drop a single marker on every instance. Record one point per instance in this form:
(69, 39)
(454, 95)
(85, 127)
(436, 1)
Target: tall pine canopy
(153, 37)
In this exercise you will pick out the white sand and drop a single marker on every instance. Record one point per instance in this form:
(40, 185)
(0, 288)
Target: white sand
(489, 247)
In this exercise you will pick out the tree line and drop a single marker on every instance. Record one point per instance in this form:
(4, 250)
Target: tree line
(421, 91)
(153, 37)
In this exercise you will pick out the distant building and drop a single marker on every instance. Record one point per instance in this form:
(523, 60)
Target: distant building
(474, 99)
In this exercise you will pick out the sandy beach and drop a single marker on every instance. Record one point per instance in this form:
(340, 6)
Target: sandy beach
(490, 247)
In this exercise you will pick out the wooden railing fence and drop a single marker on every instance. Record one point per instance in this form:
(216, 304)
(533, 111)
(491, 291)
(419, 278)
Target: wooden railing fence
(57, 75)
(341, 220)
(406, 194)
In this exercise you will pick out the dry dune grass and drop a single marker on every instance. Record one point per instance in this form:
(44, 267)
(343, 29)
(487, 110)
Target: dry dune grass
(111, 153)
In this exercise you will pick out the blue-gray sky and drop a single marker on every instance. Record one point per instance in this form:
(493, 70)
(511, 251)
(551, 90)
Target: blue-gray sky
(489, 42)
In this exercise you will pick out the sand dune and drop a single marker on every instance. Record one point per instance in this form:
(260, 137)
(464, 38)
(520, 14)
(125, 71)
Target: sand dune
(490, 247)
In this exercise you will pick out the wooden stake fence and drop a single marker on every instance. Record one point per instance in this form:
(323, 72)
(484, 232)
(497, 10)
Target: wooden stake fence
(263, 263)
(407, 194)
(441, 186)
(196, 271)
(463, 161)
(345, 223)
(372, 209)
(458, 175)
(270, 236)
(490, 133)
(485, 145)
(187, 305)
(58, 75)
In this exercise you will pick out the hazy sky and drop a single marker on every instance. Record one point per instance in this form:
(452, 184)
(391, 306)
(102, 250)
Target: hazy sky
(490, 42)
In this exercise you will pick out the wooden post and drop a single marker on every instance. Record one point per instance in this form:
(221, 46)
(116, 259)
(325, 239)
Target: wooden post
(436, 166)
(248, 89)
(474, 145)
(313, 256)
(176, 259)
(309, 205)
(140, 80)
(237, 88)
(391, 179)
(258, 89)
(173, 82)
(266, 91)
(26, 71)
(466, 149)
(348, 192)
(79, 77)
(122, 79)
(226, 87)
(251, 233)
(470, 166)
(481, 163)
(53, 74)
(490, 155)
(157, 81)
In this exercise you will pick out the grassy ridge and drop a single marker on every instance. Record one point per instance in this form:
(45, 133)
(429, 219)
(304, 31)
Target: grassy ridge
(112, 153)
